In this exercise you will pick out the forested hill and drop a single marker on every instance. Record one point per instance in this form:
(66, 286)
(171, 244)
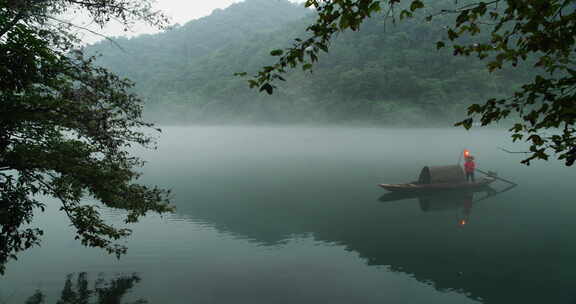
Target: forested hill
(385, 74)
(153, 61)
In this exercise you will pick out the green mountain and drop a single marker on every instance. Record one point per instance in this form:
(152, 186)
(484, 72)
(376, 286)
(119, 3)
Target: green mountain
(385, 74)
(156, 60)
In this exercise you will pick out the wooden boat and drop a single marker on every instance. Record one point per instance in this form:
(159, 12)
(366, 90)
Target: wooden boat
(415, 187)
(449, 194)
(440, 178)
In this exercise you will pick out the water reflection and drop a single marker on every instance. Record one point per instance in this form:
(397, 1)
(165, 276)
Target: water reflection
(270, 185)
(77, 290)
(391, 235)
(461, 200)
(519, 247)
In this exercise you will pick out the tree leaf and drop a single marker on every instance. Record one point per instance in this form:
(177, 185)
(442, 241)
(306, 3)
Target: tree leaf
(277, 53)
(268, 88)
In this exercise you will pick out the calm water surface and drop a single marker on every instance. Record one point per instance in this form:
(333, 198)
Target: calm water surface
(292, 215)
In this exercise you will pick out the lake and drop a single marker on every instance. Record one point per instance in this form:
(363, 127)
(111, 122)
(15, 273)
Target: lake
(292, 215)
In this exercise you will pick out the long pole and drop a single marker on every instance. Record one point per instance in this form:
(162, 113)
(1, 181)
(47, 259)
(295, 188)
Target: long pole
(460, 157)
(496, 177)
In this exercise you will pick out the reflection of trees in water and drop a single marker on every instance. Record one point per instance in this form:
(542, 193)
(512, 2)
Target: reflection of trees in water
(103, 292)
(490, 261)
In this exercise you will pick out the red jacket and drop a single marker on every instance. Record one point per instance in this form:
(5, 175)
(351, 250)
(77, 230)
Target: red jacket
(469, 166)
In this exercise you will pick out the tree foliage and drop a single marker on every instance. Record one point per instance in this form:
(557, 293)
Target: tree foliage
(65, 126)
(520, 32)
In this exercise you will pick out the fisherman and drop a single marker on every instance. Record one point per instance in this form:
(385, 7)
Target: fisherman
(469, 167)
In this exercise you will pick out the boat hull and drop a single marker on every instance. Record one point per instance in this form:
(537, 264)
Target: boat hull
(417, 188)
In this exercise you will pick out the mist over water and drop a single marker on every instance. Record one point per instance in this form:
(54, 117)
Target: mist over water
(292, 215)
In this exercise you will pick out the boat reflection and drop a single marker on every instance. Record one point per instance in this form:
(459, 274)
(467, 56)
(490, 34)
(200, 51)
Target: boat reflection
(461, 200)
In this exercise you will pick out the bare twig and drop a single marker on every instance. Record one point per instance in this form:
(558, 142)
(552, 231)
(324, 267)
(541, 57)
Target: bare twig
(515, 152)
(88, 30)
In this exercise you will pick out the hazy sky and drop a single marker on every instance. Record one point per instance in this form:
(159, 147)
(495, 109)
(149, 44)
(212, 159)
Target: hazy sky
(180, 11)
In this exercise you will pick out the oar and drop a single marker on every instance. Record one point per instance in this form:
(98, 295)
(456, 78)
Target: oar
(496, 177)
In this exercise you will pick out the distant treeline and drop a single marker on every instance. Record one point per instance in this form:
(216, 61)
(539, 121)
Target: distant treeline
(388, 73)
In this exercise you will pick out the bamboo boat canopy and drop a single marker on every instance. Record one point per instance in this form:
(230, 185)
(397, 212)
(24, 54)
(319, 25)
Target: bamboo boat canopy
(441, 174)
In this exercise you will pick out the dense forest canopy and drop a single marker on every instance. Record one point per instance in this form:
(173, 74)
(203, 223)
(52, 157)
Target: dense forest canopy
(387, 74)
